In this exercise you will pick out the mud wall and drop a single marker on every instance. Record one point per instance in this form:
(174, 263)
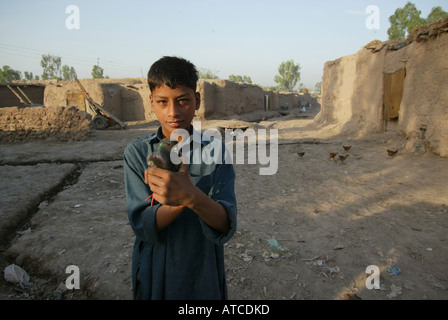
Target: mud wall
(128, 99)
(221, 98)
(124, 98)
(352, 92)
(424, 107)
(353, 89)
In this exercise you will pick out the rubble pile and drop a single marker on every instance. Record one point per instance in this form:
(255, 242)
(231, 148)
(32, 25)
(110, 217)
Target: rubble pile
(41, 123)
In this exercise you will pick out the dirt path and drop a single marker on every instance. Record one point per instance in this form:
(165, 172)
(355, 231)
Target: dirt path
(307, 232)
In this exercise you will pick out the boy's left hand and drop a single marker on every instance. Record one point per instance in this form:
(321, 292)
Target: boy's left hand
(170, 188)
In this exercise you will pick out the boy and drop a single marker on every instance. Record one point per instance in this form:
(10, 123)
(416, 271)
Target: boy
(178, 252)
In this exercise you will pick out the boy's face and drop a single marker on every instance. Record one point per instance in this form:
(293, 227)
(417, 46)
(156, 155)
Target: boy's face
(175, 108)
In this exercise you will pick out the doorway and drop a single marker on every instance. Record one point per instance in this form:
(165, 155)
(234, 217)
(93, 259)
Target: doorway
(393, 93)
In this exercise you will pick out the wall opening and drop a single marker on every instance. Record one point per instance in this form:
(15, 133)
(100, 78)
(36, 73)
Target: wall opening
(393, 93)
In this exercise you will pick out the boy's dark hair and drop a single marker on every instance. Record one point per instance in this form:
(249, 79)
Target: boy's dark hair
(172, 71)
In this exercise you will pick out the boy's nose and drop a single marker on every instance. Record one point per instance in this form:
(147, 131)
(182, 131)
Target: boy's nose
(173, 108)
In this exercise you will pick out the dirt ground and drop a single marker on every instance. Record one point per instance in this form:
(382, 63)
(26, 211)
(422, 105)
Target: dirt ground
(308, 232)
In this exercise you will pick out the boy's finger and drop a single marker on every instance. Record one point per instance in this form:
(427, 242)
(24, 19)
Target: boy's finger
(184, 168)
(146, 176)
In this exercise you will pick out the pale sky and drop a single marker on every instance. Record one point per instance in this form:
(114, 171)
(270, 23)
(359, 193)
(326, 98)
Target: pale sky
(244, 37)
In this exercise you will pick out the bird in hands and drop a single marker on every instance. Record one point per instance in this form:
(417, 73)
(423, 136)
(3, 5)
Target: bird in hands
(161, 158)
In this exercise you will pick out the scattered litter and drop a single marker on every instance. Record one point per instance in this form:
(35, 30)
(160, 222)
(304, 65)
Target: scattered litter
(239, 245)
(17, 275)
(274, 244)
(330, 271)
(270, 255)
(327, 271)
(77, 206)
(245, 257)
(394, 270)
(338, 247)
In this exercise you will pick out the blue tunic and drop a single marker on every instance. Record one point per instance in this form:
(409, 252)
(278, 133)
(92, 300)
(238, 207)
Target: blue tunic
(185, 260)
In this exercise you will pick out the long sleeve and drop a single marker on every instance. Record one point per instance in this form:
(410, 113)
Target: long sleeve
(141, 216)
(222, 191)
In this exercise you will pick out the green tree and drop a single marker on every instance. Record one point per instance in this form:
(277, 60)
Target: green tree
(68, 73)
(7, 75)
(97, 72)
(28, 75)
(52, 67)
(406, 19)
(289, 75)
(206, 74)
(238, 78)
(235, 78)
(436, 13)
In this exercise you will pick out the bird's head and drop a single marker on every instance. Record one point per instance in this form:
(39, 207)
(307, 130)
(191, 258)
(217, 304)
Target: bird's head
(161, 157)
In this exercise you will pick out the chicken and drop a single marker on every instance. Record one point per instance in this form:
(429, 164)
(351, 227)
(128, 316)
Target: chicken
(392, 153)
(333, 155)
(343, 158)
(347, 148)
(161, 158)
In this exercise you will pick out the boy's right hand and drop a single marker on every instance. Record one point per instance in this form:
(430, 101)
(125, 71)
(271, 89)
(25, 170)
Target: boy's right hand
(170, 188)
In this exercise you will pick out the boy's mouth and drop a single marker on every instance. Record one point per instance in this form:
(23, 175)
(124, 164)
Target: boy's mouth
(175, 124)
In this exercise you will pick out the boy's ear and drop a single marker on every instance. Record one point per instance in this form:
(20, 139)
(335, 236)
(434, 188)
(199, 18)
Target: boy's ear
(198, 100)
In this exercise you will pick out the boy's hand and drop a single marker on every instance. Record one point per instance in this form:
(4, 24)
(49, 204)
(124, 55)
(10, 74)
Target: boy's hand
(170, 188)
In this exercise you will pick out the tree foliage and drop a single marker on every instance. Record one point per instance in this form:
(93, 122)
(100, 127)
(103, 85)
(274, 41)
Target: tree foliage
(206, 74)
(7, 75)
(29, 76)
(68, 73)
(289, 75)
(97, 72)
(51, 67)
(238, 78)
(436, 13)
(406, 19)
